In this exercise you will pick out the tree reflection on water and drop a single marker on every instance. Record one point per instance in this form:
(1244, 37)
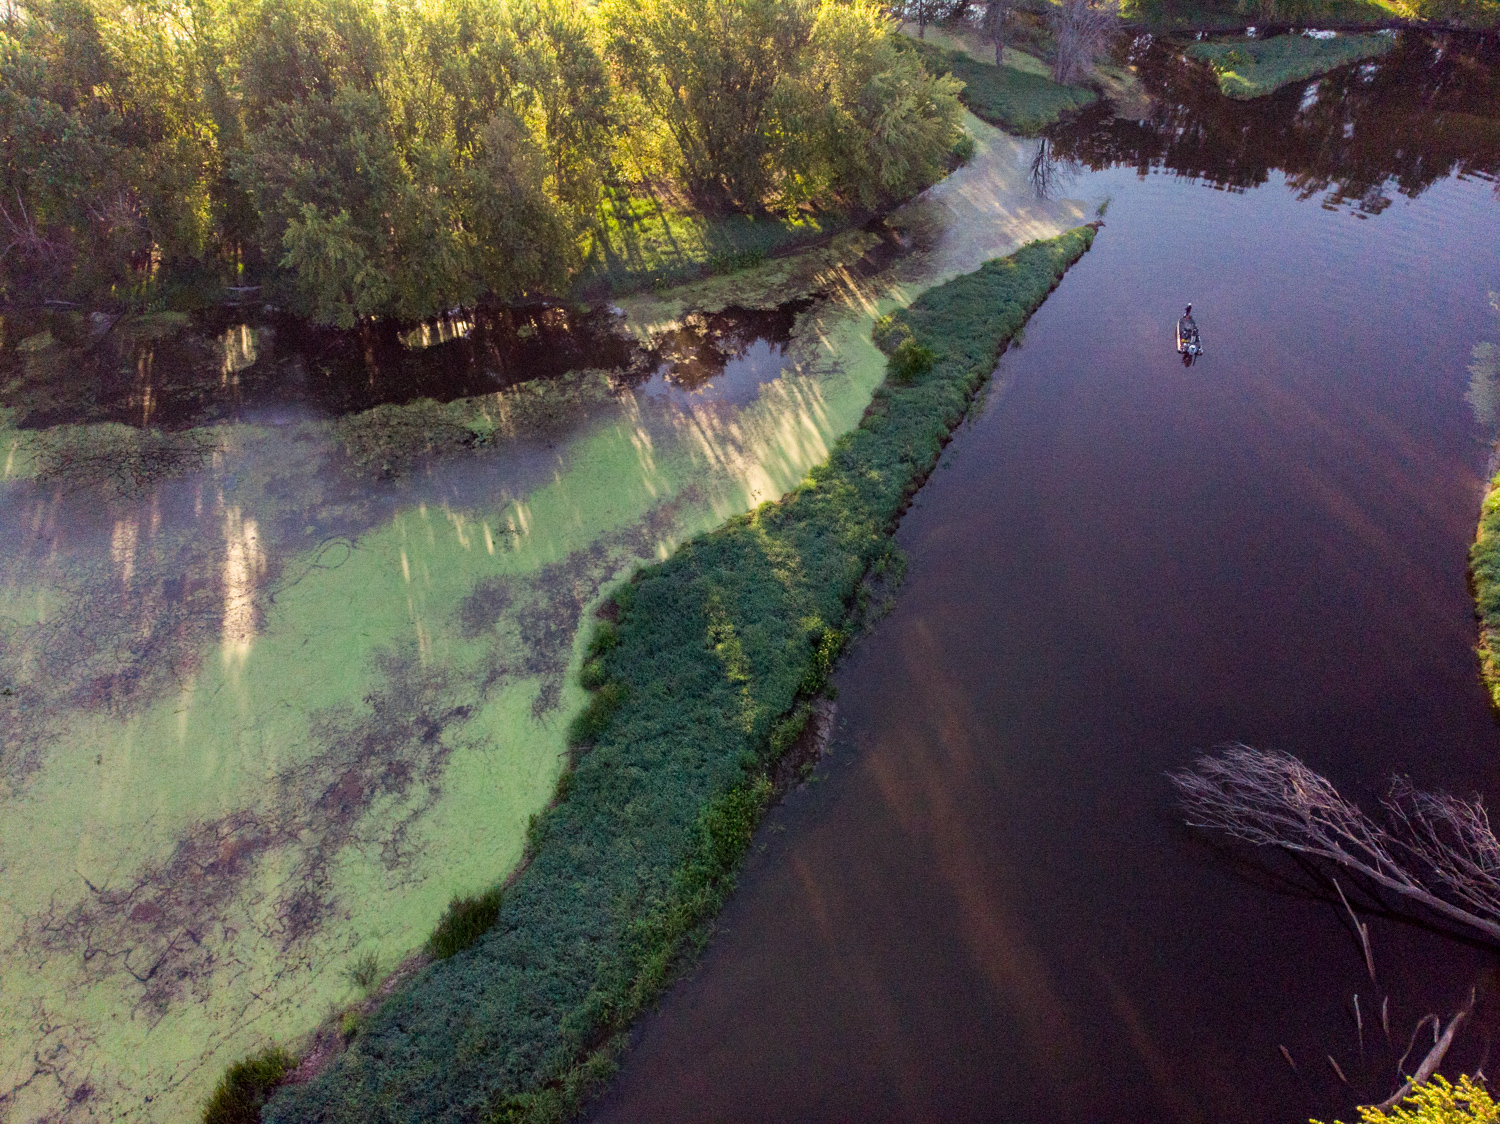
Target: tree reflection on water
(1428, 110)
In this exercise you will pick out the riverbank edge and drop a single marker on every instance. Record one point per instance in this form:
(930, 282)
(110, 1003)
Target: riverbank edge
(1484, 575)
(703, 682)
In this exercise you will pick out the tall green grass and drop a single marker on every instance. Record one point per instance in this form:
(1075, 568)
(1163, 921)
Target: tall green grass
(243, 1089)
(708, 675)
(1484, 567)
(1015, 100)
(1252, 68)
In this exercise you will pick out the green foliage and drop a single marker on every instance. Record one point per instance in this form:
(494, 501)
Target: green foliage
(1252, 68)
(717, 648)
(1439, 1102)
(785, 102)
(911, 360)
(1484, 566)
(245, 1086)
(464, 922)
(594, 717)
(1016, 100)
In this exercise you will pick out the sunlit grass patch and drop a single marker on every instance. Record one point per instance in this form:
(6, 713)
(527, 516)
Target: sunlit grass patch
(645, 239)
(1019, 101)
(1251, 68)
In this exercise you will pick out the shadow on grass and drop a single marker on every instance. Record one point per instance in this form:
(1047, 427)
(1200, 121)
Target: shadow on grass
(708, 663)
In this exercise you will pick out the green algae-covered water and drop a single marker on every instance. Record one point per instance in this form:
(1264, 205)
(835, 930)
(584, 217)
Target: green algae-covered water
(278, 677)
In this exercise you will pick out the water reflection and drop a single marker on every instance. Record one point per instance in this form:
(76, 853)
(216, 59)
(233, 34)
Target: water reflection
(171, 371)
(1427, 110)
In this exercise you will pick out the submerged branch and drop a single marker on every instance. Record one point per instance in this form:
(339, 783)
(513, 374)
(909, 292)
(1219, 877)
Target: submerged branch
(1270, 798)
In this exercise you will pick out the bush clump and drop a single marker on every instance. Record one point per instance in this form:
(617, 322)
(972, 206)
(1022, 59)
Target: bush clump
(910, 360)
(243, 1090)
(716, 651)
(464, 922)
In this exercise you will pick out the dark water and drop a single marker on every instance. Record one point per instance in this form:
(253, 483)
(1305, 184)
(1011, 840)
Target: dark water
(986, 908)
(176, 371)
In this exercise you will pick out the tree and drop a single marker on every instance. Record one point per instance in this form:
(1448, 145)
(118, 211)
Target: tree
(867, 123)
(711, 71)
(1083, 29)
(992, 25)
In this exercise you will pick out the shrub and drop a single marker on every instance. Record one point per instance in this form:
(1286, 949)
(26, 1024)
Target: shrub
(910, 360)
(464, 922)
(246, 1086)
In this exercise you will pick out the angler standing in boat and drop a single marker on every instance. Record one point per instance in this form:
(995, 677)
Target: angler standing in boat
(1188, 345)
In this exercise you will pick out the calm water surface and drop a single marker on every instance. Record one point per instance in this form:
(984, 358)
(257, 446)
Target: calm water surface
(986, 907)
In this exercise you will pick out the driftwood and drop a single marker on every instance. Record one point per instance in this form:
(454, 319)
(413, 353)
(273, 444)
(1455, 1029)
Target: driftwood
(1434, 1056)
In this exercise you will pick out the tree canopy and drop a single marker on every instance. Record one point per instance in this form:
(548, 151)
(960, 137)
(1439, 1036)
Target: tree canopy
(394, 158)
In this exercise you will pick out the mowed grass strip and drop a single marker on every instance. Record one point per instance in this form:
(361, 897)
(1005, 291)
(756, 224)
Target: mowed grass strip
(701, 682)
(1251, 68)
(1017, 101)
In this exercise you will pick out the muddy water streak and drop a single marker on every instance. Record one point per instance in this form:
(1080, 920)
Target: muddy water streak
(987, 909)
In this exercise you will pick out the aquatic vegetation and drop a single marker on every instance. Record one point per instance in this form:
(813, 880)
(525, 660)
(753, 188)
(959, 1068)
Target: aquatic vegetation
(364, 973)
(711, 653)
(121, 459)
(243, 1090)
(389, 440)
(464, 922)
(1251, 68)
(1019, 101)
(1484, 566)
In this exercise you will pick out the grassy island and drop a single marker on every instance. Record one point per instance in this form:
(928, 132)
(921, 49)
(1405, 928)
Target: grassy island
(704, 670)
(1016, 100)
(1251, 68)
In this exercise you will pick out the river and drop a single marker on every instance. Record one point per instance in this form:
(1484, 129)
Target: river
(985, 905)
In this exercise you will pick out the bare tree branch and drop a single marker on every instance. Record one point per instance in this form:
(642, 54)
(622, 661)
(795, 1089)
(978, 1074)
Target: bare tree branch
(1083, 29)
(1271, 798)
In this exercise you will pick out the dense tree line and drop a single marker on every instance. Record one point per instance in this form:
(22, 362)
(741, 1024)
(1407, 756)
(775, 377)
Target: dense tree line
(398, 157)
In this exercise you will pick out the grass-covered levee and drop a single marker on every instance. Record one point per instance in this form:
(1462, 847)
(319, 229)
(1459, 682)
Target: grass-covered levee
(703, 679)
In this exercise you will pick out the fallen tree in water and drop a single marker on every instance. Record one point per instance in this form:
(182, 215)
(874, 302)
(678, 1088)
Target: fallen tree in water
(1435, 849)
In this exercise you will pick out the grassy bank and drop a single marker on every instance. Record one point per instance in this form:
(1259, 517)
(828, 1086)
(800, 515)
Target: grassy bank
(703, 674)
(1018, 101)
(1484, 566)
(1252, 68)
